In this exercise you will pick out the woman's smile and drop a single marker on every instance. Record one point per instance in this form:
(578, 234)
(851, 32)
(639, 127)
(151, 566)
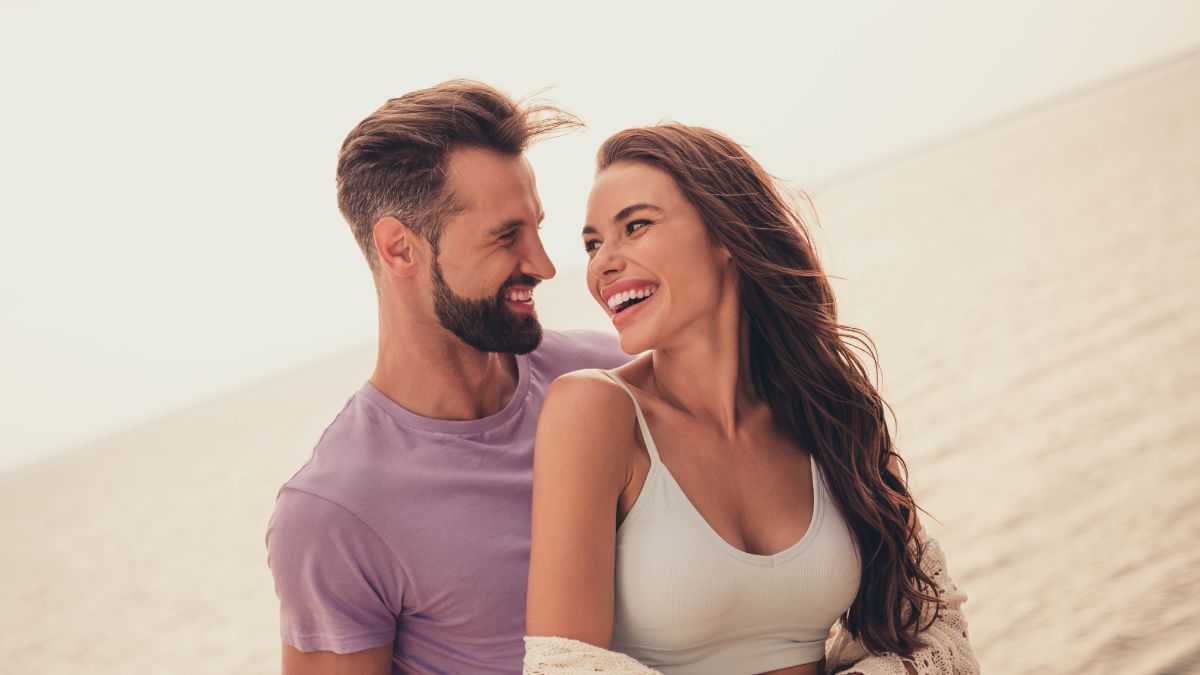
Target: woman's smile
(630, 309)
(623, 296)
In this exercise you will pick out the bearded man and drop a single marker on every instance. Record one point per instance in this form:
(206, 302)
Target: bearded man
(402, 546)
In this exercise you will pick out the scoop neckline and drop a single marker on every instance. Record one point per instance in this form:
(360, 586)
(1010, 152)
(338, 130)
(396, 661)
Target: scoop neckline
(758, 559)
(658, 465)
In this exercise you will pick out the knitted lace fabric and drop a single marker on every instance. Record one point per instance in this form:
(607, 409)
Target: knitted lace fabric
(561, 656)
(947, 651)
(948, 646)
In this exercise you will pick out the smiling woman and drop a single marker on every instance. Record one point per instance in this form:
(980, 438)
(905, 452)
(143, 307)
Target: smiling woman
(687, 267)
(733, 494)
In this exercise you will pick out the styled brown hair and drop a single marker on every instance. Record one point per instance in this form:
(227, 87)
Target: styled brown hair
(394, 162)
(804, 364)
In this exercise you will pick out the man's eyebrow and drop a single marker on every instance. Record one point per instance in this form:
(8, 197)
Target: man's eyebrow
(513, 224)
(507, 225)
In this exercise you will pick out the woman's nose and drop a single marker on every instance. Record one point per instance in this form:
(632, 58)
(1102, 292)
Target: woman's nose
(607, 260)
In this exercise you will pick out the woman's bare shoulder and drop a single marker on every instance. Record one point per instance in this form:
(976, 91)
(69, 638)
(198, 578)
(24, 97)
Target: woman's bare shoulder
(582, 452)
(585, 390)
(587, 420)
(596, 392)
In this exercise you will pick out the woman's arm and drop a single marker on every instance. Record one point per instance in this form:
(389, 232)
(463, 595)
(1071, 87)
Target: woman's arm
(581, 464)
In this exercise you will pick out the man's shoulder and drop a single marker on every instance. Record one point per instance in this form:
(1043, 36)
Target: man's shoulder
(346, 461)
(307, 509)
(564, 351)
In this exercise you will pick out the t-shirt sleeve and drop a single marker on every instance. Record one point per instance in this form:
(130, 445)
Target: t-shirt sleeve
(340, 587)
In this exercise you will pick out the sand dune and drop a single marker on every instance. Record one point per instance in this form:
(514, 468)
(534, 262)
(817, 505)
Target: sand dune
(1031, 289)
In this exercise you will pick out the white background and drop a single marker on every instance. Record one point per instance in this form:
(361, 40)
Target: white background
(168, 227)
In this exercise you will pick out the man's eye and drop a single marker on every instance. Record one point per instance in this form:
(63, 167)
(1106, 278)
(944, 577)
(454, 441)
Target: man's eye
(509, 236)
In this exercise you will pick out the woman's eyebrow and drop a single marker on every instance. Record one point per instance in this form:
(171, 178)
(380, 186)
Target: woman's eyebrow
(628, 210)
(623, 214)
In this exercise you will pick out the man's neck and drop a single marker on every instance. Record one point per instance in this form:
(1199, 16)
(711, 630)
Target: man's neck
(434, 374)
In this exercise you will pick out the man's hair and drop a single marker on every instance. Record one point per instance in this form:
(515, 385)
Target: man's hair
(394, 162)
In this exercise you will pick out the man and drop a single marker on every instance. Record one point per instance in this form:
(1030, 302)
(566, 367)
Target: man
(403, 544)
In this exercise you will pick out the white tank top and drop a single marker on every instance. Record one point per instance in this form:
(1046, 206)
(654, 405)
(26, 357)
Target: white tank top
(689, 602)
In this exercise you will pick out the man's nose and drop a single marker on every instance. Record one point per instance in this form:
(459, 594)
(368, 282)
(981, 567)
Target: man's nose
(536, 263)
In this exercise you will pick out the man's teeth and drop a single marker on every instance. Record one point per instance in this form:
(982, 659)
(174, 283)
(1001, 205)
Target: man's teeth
(625, 296)
(520, 296)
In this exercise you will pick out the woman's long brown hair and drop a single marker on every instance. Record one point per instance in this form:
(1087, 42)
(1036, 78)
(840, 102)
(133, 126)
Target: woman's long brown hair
(804, 365)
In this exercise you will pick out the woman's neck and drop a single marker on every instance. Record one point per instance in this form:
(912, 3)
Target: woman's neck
(705, 370)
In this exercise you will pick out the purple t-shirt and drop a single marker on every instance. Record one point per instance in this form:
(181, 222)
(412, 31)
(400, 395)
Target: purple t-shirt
(415, 531)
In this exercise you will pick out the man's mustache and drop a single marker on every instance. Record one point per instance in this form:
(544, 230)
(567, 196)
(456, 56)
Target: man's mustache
(522, 280)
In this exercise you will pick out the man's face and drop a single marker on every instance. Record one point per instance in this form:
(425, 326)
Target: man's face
(490, 255)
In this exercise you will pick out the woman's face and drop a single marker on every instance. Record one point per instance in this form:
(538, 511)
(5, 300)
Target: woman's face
(652, 265)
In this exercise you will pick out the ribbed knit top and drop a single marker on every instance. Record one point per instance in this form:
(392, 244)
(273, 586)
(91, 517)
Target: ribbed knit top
(689, 602)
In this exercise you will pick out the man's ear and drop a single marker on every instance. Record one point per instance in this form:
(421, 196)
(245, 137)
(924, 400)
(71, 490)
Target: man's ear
(397, 246)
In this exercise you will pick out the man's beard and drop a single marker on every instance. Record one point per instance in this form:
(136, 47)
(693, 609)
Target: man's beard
(486, 324)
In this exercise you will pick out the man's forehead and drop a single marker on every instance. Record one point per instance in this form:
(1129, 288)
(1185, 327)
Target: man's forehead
(493, 187)
(476, 163)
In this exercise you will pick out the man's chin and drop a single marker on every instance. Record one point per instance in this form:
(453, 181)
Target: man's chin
(512, 339)
(527, 341)
(488, 325)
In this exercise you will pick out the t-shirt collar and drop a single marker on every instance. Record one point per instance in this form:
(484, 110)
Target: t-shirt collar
(412, 420)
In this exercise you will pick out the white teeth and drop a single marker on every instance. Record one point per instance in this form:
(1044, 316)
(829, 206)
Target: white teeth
(625, 296)
(520, 296)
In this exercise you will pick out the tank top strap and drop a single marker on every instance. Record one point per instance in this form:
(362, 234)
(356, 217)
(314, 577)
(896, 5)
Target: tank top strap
(637, 409)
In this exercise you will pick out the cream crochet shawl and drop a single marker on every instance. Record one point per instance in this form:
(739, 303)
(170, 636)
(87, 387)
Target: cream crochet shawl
(947, 651)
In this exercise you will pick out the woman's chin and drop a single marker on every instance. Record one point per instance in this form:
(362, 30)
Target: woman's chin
(633, 342)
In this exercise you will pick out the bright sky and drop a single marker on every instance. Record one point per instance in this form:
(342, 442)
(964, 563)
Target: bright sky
(168, 229)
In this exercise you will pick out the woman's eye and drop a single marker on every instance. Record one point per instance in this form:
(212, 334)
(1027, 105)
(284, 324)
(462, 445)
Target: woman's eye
(591, 245)
(635, 225)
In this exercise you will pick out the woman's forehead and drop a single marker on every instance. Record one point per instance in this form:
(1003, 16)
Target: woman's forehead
(624, 183)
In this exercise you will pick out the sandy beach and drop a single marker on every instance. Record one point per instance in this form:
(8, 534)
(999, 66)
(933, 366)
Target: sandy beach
(1031, 289)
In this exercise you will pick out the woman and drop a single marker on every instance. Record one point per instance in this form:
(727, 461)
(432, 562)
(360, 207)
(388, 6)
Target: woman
(720, 502)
